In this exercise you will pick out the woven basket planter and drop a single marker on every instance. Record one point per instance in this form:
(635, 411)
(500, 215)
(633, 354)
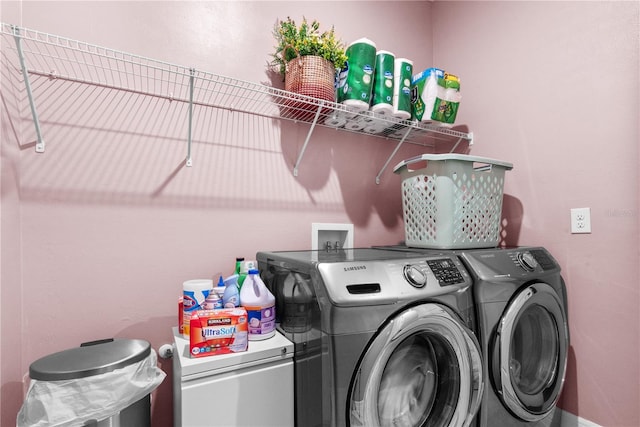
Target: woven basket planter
(311, 76)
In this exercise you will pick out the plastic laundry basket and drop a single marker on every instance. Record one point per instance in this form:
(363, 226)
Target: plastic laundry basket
(452, 202)
(101, 383)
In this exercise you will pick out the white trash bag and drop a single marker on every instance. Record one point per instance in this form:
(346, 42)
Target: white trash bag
(94, 398)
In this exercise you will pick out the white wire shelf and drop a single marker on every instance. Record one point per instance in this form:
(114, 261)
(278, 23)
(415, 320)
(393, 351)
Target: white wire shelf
(55, 57)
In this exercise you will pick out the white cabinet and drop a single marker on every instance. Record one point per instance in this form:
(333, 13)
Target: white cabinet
(252, 388)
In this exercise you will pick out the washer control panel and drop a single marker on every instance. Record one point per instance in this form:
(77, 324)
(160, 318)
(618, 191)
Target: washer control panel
(526, 261)
(415, 275)
(444, 270)
(402, 277)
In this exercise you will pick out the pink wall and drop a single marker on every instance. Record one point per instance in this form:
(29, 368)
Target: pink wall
(553, 87)
(99, 232)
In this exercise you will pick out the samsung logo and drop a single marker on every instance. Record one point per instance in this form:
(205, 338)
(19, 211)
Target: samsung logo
(355, 268)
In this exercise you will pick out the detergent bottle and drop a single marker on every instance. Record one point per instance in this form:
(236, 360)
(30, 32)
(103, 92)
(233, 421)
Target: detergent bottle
(239, 261)
(231, 295)
(260, 305)
(245, 266)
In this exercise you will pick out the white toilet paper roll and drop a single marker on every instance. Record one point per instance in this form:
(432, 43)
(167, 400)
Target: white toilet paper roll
(374, 128)
(335, 120)
(355, 124)
(367, 119)
(396, 134)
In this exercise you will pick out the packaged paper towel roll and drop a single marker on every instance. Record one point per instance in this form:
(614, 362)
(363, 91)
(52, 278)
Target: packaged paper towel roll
(403, 71)
(382, 96)
(447, 100)
(356, 82)
(426, 86)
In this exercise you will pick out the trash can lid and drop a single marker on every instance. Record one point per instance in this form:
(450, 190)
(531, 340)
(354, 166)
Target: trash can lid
(92, 358)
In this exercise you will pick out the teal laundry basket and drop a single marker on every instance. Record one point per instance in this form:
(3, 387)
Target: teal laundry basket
(452, 201)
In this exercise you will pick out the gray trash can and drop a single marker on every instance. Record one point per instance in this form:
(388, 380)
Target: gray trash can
(95, 359)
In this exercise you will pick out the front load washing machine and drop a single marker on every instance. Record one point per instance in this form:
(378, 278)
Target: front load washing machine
(521, 305)
(381, 338)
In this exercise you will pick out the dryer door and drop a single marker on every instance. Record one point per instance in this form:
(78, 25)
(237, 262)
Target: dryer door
(423, 368)
(530, 352)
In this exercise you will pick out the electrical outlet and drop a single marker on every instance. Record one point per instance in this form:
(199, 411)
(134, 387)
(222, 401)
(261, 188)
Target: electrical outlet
(580, 220)
(330, 237)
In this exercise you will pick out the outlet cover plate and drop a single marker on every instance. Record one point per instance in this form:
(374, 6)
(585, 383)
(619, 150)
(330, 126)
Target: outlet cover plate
(580, 220)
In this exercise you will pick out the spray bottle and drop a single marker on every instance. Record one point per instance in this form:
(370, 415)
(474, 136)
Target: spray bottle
(231, 295)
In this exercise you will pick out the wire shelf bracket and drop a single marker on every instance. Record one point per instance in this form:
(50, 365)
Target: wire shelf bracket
(25, 74)
(306, 141)
(393, 153)
(189, 160)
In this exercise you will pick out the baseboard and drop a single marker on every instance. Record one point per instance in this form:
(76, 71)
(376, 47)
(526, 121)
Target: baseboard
(570, 420)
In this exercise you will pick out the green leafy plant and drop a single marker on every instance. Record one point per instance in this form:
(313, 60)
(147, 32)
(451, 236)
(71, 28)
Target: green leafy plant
(306, 39)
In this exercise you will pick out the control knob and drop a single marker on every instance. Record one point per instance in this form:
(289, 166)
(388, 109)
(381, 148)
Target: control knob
(415, 276)
(527, 261)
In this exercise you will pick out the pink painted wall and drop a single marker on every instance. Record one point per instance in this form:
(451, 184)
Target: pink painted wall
(553, 87)
(99, 232)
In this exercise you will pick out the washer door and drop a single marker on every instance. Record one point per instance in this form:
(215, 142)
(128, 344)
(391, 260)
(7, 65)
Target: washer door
(423, 368)
(530, 352)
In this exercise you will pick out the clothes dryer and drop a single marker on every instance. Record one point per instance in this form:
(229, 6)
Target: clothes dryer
(381, 337)
(521, 305)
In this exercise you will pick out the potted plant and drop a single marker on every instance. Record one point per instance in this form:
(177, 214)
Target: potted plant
(307, 58)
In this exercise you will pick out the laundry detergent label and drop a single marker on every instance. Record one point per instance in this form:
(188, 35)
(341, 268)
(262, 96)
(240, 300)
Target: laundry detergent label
(262, 320)
(218, 332)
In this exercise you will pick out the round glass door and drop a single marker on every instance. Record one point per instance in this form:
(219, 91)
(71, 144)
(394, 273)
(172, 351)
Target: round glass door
(422, 369)
(531, 352)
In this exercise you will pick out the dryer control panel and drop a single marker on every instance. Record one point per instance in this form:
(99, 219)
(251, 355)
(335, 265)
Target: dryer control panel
(510, 263)
(533, 259)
